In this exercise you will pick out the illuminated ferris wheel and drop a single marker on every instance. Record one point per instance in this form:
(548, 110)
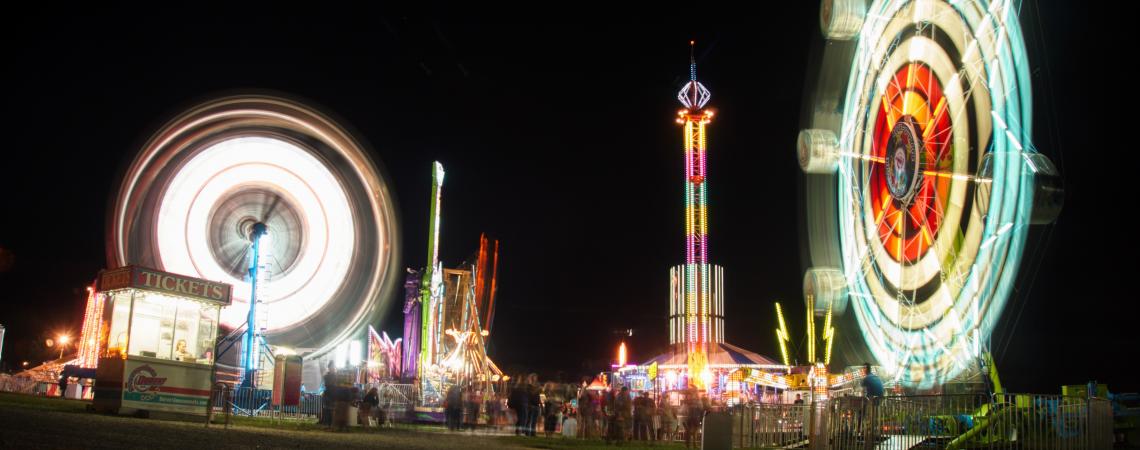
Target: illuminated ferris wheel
(257, 190)
(932, 177)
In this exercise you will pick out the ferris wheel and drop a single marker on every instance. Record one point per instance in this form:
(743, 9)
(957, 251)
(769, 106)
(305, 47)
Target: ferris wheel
(273, 197)
(932, 180)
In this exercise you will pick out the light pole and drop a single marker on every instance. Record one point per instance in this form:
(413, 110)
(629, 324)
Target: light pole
(63, 338)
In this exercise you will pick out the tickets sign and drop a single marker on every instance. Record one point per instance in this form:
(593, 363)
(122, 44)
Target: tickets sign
(155, 280)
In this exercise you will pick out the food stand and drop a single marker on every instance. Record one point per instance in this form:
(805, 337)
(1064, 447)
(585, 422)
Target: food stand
(159, 340)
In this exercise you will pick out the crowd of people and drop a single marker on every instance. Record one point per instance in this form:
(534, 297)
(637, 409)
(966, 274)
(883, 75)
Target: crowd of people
(614, 415)
(528, 408)
(373, 407)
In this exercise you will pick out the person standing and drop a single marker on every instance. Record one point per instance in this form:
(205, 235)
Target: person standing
(551, 413)
(517, 402)
(452, 404)
(622, 416)
(652, 422)
(534, 403)
(368, 405)
(694, 415)
(585, 416)
(639, 418)
(328, 395)
(668, 421)
(873, 391)
(474, 404)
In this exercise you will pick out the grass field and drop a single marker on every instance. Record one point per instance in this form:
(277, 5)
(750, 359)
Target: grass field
(37, 422)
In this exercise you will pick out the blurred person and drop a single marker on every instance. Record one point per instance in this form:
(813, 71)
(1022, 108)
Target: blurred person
(368, 407)
(327, 395)
(694, 416)
(517, 402)
(453, 407)
(473, 403)
(534, 403)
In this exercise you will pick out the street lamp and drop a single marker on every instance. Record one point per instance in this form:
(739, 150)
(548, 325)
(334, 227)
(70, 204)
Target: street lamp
(63, 338)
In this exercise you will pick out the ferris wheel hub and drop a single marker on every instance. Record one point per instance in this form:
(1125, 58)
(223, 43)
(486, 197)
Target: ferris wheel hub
(904, 160)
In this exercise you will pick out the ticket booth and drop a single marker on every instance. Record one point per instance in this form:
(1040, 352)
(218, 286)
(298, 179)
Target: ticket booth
(160, 333)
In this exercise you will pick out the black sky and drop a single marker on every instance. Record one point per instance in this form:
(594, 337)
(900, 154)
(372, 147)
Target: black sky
(558, 139)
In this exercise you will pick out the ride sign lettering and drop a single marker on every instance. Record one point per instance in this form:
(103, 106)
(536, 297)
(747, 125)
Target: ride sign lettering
(155, 280)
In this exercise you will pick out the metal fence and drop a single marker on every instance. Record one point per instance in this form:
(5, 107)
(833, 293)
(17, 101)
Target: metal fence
(251, 402)
(769, 425)
(1021, 421)
(398, 399)
(21, 385)
(967, 421)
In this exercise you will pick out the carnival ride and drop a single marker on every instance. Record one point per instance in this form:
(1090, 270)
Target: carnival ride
(442, 303)
(922, 156)
(261, 191)
(699, 356)
(922, 182)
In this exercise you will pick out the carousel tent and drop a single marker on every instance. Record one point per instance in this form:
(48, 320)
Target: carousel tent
(723, 355)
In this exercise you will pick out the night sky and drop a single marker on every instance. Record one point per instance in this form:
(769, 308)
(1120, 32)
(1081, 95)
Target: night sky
(558, 138)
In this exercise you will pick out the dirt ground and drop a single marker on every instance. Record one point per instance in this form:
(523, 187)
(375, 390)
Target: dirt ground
(36, 422)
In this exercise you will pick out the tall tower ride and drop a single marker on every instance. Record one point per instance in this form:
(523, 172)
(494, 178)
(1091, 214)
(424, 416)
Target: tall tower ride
(696, 298)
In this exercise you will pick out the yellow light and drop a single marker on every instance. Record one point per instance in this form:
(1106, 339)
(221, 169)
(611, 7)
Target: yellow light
(828, 336)
(782, 335)
(63, 338)
(621, 355)
(811, 328)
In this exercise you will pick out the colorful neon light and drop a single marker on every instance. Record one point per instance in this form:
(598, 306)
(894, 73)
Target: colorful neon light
(810, 331)
(91, 334)
(828, 336)
(935, 193)
(696, 295)
(782, 335)
(430, 288)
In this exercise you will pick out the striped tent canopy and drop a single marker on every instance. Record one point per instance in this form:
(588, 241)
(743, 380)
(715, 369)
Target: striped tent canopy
(722, 355)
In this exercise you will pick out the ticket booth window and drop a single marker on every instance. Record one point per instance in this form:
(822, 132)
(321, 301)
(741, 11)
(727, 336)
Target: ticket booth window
(120, 306)
(173, 328)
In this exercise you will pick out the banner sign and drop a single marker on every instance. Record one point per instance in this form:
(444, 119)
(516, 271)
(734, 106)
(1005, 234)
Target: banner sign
(153, 385)
(155, 280)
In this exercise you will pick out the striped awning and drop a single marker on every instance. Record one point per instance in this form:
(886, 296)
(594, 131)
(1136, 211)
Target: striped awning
(722, 355)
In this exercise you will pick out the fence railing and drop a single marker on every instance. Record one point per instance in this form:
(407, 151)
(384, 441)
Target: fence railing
(250, 402)
(769, 425)
(21, 385)
(1019, 421)
(397, 399)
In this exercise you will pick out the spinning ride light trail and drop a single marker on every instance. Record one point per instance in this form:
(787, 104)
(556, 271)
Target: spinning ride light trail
(190, 199)
(936, 180)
